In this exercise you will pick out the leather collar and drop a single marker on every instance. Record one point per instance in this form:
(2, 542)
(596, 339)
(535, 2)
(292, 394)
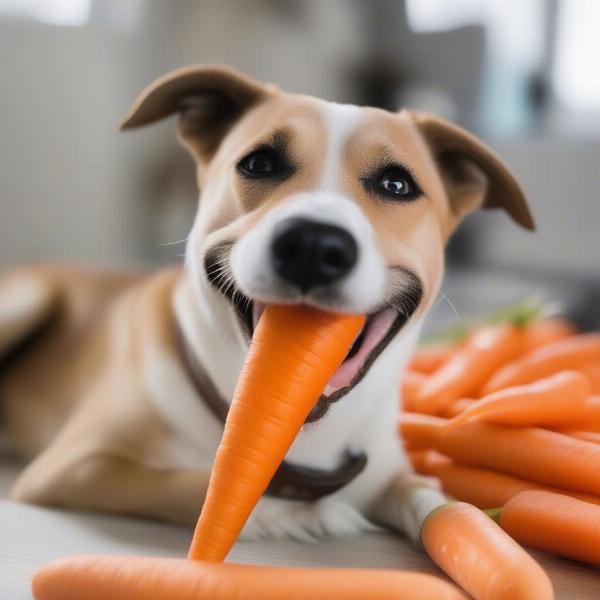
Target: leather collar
(291, 481)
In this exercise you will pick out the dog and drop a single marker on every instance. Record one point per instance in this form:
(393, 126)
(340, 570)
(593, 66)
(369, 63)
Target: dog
(116, 386)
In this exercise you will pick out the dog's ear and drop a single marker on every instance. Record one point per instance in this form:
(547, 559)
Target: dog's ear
(473, 174)
(209, 99)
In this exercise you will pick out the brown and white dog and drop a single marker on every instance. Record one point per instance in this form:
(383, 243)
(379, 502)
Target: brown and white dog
(116, 385)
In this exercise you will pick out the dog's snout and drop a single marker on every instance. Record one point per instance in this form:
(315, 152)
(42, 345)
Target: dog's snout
(308, 254)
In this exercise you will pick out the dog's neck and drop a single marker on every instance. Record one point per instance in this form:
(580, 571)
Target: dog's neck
(212, 333)
(210, 329)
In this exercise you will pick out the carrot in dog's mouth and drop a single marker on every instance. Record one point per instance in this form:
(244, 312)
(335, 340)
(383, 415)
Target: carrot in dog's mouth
(379, 329)
(381, 325)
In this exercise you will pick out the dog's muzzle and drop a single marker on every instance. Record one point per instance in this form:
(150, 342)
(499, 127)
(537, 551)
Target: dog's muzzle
(308, 254)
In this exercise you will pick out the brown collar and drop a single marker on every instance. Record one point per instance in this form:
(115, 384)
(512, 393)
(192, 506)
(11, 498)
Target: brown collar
(291, 481)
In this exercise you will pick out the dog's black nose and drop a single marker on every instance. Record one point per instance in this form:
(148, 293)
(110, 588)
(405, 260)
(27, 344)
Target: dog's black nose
(308, 254)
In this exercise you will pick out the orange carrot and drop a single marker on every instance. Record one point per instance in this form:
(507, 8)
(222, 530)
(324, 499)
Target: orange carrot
(555, 523)
(551, 402)
(592, 425)
(569, 353)
(547, 331)
(422, 460)
(480, 557)
(483, 353)
(428, 359)
(591, 420)
(411, 382)
(481, 487)
(420, 431)
(294, 352)
(457, 407)
(534, 454)
(144, 578)
(592, 372)
(587, 436)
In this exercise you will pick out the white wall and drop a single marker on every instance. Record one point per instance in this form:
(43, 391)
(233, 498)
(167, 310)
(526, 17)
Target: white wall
(561, 177)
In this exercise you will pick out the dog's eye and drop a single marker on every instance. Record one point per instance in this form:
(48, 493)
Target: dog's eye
(397, 183)
(260, 163)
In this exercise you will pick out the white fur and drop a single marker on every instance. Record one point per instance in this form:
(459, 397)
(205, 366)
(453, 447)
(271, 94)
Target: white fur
(340, 121)
(363, 289)
(21, 297)
(365, 419)
(198, 432)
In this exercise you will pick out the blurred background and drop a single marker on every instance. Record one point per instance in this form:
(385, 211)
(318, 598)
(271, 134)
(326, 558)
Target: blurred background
(522, 74)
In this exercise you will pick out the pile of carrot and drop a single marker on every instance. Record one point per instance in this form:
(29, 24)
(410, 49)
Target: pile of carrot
(508, 419)
(503, 439)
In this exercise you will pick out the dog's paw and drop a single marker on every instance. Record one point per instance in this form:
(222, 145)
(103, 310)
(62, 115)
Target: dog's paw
(303, 521)
(407, 502)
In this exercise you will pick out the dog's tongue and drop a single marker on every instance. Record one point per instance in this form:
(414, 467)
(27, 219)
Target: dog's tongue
(376, 328)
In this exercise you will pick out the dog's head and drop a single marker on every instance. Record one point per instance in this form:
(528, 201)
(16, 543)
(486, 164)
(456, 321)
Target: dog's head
(305, 201)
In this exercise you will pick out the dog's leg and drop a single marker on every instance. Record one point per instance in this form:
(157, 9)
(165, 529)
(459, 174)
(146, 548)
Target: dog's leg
(111, 483)
(406, 502)
(26, 298)
(92, 464)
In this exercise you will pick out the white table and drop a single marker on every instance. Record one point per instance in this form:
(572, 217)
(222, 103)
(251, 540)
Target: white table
(31, 536)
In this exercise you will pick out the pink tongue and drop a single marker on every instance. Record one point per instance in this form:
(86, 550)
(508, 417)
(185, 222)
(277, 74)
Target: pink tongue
(378, 327)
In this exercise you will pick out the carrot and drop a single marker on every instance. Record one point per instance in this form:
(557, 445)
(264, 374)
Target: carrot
(420, 431)
(458, 406)
(592, 372)
(409, 388)
(294, 352)
(551, 402)
(421, 460)
(483, 353)
(481, 487)
(144, 578)
(593, 412)
(547, 331)
(587, 436)
(591, 420)
(569, 353)
(428, 359)
(535, 454)
(555, 523)
(473, 550)
(591, 425)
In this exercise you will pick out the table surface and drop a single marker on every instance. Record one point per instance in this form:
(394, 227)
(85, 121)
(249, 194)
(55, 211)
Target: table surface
(31, 536)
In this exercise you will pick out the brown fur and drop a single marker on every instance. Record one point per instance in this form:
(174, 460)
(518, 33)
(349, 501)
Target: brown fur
(76, 400)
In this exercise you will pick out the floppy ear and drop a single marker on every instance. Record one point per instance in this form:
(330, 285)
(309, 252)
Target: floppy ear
(473, 174)
(209, 99)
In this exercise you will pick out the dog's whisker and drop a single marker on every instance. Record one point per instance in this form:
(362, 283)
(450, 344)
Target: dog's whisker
(247, 302)
(221, 267)
(220, 264)
(450, 303)
(224, 284)
(219, 273)
(183, 241)
(404, 301)
(221, 259)
(228, 283)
